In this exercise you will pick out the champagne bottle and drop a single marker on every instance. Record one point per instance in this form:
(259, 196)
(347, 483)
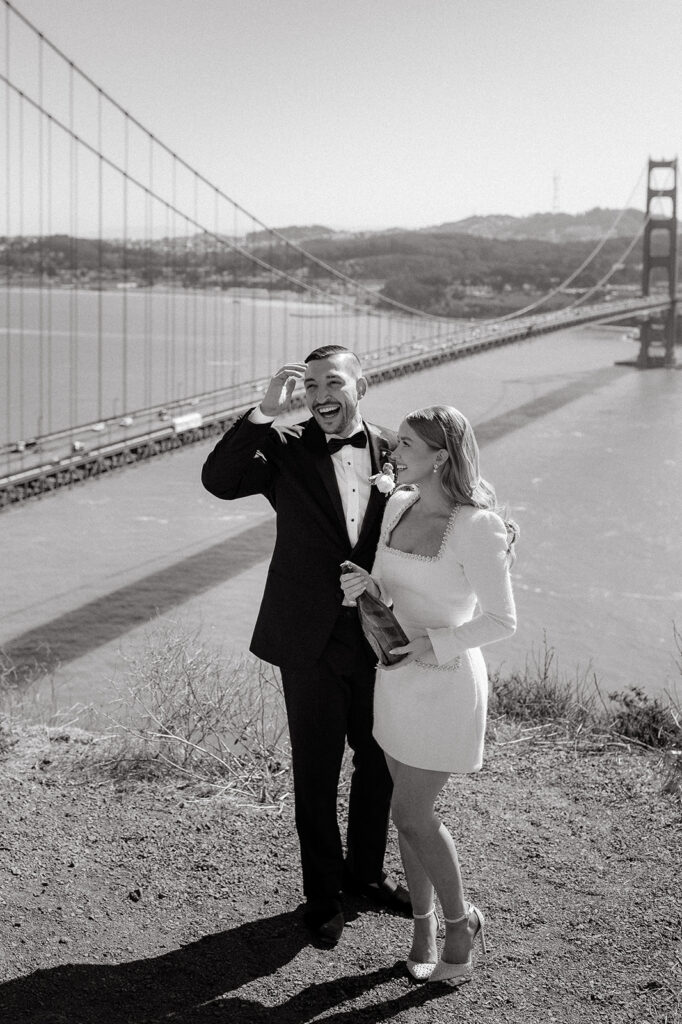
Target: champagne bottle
(382, 630)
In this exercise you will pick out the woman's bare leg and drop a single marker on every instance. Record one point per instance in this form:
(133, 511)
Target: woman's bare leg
(429, 858)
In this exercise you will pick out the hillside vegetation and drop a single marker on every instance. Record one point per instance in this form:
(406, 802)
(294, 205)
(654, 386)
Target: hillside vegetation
(479, 266)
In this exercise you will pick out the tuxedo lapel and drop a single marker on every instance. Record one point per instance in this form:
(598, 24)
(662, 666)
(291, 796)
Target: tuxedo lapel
(323, 467)
(380, 451)
(379, 447)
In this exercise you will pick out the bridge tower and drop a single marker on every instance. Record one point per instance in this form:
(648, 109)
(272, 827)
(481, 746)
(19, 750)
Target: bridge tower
(660, 251)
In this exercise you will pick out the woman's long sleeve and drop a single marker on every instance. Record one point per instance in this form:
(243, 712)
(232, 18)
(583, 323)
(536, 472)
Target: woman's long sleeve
(485, 562)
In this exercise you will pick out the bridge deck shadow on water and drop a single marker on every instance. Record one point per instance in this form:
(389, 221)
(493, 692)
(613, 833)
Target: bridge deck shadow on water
(71, 635)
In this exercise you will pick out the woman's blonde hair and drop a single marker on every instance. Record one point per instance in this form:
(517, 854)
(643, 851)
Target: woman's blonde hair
(443, 426)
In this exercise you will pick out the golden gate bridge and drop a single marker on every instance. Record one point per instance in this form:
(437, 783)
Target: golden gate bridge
(160, 329)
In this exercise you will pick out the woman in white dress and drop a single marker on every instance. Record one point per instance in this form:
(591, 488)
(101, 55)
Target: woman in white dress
(443, 563)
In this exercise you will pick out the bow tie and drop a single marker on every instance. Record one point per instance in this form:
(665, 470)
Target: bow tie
(358, 440)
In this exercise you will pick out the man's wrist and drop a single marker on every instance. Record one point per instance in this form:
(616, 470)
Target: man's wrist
(258, 416)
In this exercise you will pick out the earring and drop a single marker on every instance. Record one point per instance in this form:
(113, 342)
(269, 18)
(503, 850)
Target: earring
(436, 467)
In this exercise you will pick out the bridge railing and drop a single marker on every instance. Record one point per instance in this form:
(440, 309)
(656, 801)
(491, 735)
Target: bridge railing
(74, 464)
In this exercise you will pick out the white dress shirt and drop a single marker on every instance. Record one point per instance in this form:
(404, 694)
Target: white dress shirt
(353, 468)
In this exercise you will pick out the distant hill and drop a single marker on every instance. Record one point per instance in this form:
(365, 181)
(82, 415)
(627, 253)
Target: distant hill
(481, 266)
(294, 233)
(549, 227)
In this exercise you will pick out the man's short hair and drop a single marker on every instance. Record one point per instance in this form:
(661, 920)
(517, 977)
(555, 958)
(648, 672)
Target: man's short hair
(324, 351)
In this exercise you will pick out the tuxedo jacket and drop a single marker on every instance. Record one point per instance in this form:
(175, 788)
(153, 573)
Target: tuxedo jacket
(292, 467)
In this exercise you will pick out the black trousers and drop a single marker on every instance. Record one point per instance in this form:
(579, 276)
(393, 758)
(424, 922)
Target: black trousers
(327, 704)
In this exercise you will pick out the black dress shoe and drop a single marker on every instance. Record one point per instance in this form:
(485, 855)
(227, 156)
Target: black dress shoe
(324, 918)
(385, 893)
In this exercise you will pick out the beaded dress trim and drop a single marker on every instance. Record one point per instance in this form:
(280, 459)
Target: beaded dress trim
(450, 666)
(412, 554)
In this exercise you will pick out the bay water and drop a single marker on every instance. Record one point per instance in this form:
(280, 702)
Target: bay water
(586, 454)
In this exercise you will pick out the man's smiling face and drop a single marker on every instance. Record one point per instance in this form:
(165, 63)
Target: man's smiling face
(333, 389)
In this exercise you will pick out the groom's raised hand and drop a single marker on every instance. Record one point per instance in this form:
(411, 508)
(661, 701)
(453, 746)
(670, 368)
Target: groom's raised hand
(281, 388)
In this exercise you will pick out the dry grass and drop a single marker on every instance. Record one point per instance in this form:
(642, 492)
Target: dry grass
(541, 695)
(542, 698)
(184, 709)
(28, 703)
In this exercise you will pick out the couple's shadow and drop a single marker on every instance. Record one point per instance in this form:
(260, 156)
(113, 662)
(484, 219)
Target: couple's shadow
(192, 985)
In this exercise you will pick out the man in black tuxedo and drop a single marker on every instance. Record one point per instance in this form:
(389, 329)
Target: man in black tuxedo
(315, 475)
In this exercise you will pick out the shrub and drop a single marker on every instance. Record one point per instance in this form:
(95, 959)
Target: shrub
(218, 722)
(539, 694)
(637, 716)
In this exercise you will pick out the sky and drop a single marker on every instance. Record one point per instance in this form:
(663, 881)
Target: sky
(370, 114)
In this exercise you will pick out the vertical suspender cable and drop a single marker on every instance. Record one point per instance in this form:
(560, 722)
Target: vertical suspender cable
(217, 299)
(236, 308)
(76, 290)
(124, 260)
(41, 249)
(221, 319)
(166, 259)
(285, 312)
(186, 282)
(72, 260)
(149, 293)
(20, 325)
(285, 294)
(299, 319)
(254, 311)
(100, 283)
(198, 260)
(49, 290)
(356, 317)
(204, 347)
(8, 257)
(142, 274)
(271, 294)
(173, 254)
(193, 259)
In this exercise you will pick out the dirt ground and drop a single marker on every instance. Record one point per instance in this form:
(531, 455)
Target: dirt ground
(147, 902)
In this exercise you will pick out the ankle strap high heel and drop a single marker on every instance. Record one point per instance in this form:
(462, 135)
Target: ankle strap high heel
(422, 917)
(419, 970)
(457, 974)
(480, 926)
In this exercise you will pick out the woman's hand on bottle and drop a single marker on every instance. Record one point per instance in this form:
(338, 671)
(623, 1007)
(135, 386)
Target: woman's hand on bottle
(417, 648)
(356, 581)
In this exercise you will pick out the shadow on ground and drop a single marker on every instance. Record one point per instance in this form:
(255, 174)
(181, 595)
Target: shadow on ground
(192, 985)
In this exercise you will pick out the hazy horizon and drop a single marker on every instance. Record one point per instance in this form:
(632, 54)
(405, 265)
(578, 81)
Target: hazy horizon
(135, 235)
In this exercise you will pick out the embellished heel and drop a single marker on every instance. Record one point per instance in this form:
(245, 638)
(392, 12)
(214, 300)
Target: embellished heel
(458, 974)
(419, 970)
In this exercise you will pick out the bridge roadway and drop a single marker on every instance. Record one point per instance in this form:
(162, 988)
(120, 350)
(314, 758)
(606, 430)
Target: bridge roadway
(38, 466)
(586, 452)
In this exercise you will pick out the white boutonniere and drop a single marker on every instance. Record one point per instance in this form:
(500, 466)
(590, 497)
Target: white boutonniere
(385, 480)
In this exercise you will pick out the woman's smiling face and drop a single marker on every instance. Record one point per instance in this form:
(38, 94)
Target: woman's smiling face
(414, 458)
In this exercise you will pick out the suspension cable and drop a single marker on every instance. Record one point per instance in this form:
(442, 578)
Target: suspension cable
(616, 266)
(588, 259)
(189, 221)
(273, 232)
